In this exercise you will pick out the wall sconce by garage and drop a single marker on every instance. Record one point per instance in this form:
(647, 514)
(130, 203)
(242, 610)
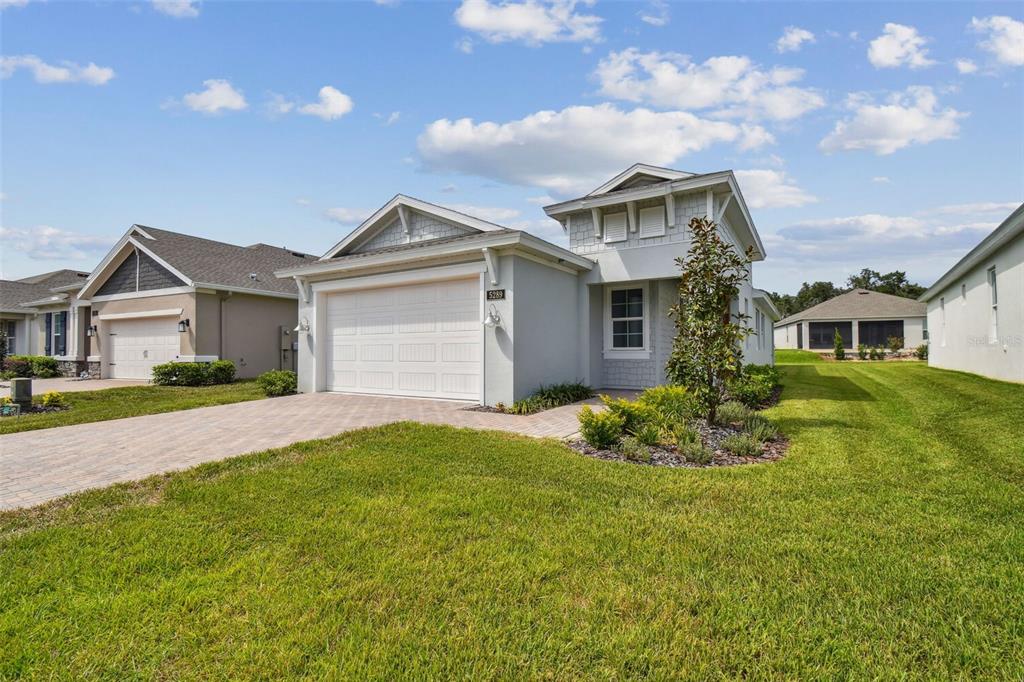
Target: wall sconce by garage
(493, 319)
(303, 326)
(91, 331)
(183, 325)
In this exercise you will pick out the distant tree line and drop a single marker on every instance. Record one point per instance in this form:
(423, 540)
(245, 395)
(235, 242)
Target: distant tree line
(813, 293)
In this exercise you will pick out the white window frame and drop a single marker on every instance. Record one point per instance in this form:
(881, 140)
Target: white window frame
(658, 230)
(610, 238)
(993, 297)
(611, 353)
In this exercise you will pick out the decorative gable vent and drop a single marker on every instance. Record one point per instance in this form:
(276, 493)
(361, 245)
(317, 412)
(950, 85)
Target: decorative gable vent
(615, 227)
(652, 222)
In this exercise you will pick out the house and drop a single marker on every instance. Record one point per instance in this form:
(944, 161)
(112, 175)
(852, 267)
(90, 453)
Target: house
(861, 316)
(976, 309)
(422, 300)
(161, 296)
(34, 314)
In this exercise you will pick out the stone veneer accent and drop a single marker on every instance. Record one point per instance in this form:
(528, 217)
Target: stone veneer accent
(74, 368)
(423, 228)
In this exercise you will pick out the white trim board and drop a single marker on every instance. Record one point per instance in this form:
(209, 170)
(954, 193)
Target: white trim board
(398, 278)
(170, 291)
(169, 312)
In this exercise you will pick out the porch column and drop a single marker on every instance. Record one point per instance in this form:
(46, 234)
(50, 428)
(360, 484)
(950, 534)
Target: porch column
(856, 333)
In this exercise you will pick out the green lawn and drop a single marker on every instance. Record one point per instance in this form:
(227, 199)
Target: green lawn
(132, 401)
(888, 544)
(791, 356)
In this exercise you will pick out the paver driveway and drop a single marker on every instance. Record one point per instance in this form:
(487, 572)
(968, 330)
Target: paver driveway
(36, 466)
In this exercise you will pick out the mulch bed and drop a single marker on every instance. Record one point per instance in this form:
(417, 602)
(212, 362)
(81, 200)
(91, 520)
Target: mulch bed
(36, 409)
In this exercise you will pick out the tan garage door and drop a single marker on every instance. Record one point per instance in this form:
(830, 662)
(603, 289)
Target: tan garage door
(137, 345)
(412, 340)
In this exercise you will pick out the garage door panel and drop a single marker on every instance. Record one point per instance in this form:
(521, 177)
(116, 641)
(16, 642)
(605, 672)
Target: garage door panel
(415, 340)
(136, 345)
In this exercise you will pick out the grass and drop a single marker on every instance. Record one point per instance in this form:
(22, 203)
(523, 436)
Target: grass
(131, 401)
(791, 356)
(887, 544)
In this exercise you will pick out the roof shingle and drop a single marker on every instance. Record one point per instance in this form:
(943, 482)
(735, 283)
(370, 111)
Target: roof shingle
(860, 304)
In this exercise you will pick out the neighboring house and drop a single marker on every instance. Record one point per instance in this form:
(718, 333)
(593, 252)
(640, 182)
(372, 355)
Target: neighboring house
(976, 309)
(161, 296)
(34, 315)
(422, 300)
(862, 317)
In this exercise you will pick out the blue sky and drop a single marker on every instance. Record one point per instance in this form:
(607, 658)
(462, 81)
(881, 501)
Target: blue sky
(875, 135)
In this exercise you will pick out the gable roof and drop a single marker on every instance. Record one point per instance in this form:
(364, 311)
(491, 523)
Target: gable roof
(201, 262)
(57, 278)
(860, 304)
(997, 239)
(640, 174)
(397, 207)
(15, 293)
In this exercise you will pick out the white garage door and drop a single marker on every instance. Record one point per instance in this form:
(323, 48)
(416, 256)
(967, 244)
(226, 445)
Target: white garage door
(413, 340)
(137, 345)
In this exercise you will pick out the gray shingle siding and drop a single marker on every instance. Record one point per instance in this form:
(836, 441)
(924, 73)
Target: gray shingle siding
(138, 272)
(651, 371)
(423, 227)
(582, 239)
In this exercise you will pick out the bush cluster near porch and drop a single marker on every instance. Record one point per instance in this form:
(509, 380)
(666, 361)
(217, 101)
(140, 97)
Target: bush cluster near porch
(885, 545)
(29, 366)
(132, 401)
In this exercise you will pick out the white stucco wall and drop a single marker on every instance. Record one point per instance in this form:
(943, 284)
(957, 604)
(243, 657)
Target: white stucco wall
(962, 338)
(760, 348)
(786, 335)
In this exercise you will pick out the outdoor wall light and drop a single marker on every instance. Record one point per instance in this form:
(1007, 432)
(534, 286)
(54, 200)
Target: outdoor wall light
(303, 326)
(493, 319)
(91, 331)
(183, 325)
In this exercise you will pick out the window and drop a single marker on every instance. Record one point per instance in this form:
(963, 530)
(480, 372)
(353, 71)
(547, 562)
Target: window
(821, 335)
(48, 339)
(746, 319)
(60, 336)
(877, 332)
(614, 228)
(8, 331)
(994, 297)
(652, 222)
(627, 308)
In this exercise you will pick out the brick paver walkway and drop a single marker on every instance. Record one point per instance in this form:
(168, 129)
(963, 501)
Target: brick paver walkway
(36, 466)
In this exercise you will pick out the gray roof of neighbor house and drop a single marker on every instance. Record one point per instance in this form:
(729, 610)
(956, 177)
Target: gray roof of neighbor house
(13, 293)
(860, 304)
(57, 278)
(205, 261)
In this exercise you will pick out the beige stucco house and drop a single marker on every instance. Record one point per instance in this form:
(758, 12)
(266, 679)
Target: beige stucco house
(861, 316)
(35, 313)
(161, 296)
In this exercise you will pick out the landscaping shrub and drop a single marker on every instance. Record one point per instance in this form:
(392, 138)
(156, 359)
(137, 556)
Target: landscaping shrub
(600, 429)
(53, 399)
(862, 352)
(732, 412)
(685, 435)
(760, 428)
(632, 449)
(36, 366)
(754, 385)
(696, 452)
(43, 367)
(876, 354)
(17, 366)
(634, 413)
(278, 382)
(547, 397)
(648, 433)
(837, 345)
(895, 343)
(921, 351)
(194, 373)
(673, 403)
(742, 445)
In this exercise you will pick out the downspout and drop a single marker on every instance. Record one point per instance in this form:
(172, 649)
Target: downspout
(225, 295)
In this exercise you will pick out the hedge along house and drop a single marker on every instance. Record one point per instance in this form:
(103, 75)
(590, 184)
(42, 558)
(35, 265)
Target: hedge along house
(37, 317)
(422, 300)
(861, 317)
(161, 296)
(976, 309)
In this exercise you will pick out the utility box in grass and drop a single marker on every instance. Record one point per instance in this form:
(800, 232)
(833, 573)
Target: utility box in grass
(21, 393)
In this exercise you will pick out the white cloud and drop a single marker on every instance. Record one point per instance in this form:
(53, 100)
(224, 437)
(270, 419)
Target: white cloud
(1005, 39)
(975, 208)
(67, 72)
(333, 104)
(302, 201)
(386, 3)
(493, 214)
(4, 4)
(348, 216)
(389, 119)
(657, 14)
(771, 189)
(50, 243)
(909, 117)
(793, 39)
(218, 96)
(179, 9)
(532, 22)
(966, 66)
(899, 45)
(754, 137)
(278, 105)
(881, 180)
(464, 45)
(542, 200)
(571, 150)
(731, 85)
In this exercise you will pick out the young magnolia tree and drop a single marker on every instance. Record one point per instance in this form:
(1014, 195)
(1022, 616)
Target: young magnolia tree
(707, 350)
